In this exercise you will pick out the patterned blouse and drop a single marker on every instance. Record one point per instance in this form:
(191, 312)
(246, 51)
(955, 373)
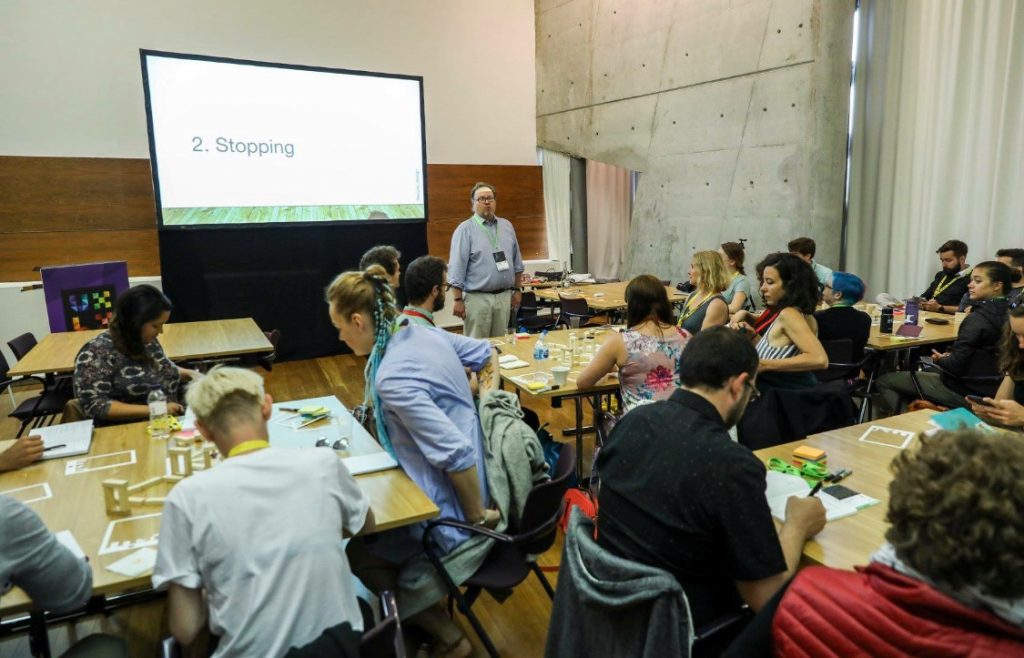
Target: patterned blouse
(650, 373)
(103, 374)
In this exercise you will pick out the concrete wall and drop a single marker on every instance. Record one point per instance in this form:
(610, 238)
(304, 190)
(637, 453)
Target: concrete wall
(735, 112)
(72, 84)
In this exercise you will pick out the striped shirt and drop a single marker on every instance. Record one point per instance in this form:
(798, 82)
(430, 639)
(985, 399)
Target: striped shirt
(768, 352)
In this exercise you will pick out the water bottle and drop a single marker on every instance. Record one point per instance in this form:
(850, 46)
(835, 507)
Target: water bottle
(911, 311)
(886, 326)
(538, 348)
(158, 419)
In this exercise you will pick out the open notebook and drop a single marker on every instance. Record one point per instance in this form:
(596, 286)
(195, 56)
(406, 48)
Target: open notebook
(780, 486)
(72, 439)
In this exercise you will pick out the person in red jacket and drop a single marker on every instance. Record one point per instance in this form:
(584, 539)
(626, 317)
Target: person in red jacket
(950, 579)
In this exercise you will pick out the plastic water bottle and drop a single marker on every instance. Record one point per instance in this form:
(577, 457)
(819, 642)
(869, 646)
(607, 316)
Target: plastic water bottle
(538, 348)
(158, 419)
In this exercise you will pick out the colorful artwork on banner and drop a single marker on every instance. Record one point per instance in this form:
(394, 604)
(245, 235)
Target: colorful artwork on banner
(81, 297)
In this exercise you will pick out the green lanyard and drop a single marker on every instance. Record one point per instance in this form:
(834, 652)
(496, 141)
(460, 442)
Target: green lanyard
(492, 235)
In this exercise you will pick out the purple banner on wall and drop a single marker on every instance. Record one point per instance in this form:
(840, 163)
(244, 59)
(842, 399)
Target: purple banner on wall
(81, 297)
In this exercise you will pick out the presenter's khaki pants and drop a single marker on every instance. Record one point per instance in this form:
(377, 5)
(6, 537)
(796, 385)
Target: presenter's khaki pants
(487, 315)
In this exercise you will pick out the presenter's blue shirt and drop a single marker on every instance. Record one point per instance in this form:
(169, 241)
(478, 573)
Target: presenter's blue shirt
(471, 265)
(431, 416)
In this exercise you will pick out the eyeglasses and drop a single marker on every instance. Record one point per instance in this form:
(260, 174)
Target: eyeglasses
(484, 199)
(754, 393)
(446, 287)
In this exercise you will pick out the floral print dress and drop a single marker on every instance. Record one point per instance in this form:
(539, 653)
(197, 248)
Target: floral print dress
(650, 373)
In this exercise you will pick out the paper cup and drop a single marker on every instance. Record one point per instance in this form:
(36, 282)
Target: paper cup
(561, 375)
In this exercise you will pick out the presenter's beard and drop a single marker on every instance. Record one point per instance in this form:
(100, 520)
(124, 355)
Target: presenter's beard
(951, 271)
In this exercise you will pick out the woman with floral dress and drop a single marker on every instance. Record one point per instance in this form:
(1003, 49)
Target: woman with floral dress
(647, 353)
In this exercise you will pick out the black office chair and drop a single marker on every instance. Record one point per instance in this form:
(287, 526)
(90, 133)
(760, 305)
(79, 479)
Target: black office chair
(35, 410)
(573, 307)
(528, 318)
(264, 360)
(843, 367)
(508, 562)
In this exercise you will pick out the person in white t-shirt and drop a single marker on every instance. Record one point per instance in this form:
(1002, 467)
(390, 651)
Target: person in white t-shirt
(259, 533)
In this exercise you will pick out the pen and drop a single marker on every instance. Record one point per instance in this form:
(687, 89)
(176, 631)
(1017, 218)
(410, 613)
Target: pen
(839, 475)
(61, 445)
(816, 488)
(292, 409)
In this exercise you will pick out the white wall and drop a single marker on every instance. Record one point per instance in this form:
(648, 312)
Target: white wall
(72, 84)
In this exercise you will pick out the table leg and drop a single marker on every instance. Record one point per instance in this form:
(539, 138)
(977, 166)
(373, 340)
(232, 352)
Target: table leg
(38, 639)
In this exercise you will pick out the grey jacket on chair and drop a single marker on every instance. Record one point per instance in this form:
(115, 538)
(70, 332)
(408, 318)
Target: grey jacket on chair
(609, 606)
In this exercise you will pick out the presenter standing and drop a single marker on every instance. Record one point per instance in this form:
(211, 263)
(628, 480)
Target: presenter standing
(485, 267)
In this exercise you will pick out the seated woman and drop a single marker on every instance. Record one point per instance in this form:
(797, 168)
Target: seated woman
(426, 418)
(705, 307)
(738, 294)
(1007, 408)
(785, 333)
(647, 353)
(950, 580)
(841, 320)
(974, 349)
(115, 371)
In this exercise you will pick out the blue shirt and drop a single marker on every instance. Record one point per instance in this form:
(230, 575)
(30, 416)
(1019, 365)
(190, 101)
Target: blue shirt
(430, 414)
(471, 265)
(424, 319)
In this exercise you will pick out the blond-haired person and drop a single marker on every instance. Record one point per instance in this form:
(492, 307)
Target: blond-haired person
(426, 418)
(706, 307)
(260, 533)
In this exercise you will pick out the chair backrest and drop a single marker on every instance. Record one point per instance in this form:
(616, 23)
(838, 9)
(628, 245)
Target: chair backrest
(21, 345)
(4, 367)
(384, 639)
(839, 350)
(528, 304)
(574, 306)
(544, 504)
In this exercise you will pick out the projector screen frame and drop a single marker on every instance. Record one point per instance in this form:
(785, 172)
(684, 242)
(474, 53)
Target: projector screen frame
(154, 164)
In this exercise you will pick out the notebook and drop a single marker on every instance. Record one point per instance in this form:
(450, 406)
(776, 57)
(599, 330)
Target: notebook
(371, 463)
(74, 439)
(780, 486)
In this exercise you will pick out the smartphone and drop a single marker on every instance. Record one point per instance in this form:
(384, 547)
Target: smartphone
(977, 399)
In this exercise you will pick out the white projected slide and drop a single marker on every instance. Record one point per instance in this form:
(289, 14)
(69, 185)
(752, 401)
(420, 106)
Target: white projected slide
(237, 143)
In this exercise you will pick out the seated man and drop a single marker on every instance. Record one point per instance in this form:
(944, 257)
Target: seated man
(425, 289)
(1014, 259)
(976, 345)
(387, 257)
(950, 283)
(804, 249)
(959, 592)
(33, 559)
(840, 319)
(677, 493)
(21, 453)
(260, 532)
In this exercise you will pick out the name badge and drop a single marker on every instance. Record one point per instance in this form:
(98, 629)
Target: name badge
(500, 261)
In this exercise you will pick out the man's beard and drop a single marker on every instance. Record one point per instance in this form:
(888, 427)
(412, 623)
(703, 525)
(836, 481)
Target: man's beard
(1017, 275)
(438, 303)
(951, 271)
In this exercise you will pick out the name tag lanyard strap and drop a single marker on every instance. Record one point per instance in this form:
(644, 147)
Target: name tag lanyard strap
(492, 235)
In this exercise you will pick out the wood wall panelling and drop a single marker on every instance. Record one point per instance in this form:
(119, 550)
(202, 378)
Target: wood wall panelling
(56, 211)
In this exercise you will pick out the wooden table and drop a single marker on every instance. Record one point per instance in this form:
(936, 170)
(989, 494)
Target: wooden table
(930, 335)
(182, 341)
(602, 296)
(848, 542)
(77, 502)
(523, 349)
(542, 284)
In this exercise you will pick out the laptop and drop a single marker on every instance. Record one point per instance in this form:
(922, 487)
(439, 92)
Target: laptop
(66, 440)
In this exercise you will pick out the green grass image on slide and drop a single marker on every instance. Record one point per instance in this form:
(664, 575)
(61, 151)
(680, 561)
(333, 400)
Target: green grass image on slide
(270, 214)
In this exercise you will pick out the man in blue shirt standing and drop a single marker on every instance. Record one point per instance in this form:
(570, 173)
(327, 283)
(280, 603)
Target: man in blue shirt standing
(485, 267)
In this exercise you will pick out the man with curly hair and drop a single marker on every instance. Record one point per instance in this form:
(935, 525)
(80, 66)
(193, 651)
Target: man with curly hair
(950, 579)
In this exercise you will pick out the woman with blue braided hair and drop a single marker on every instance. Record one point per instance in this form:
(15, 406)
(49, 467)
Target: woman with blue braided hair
(425, 417)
